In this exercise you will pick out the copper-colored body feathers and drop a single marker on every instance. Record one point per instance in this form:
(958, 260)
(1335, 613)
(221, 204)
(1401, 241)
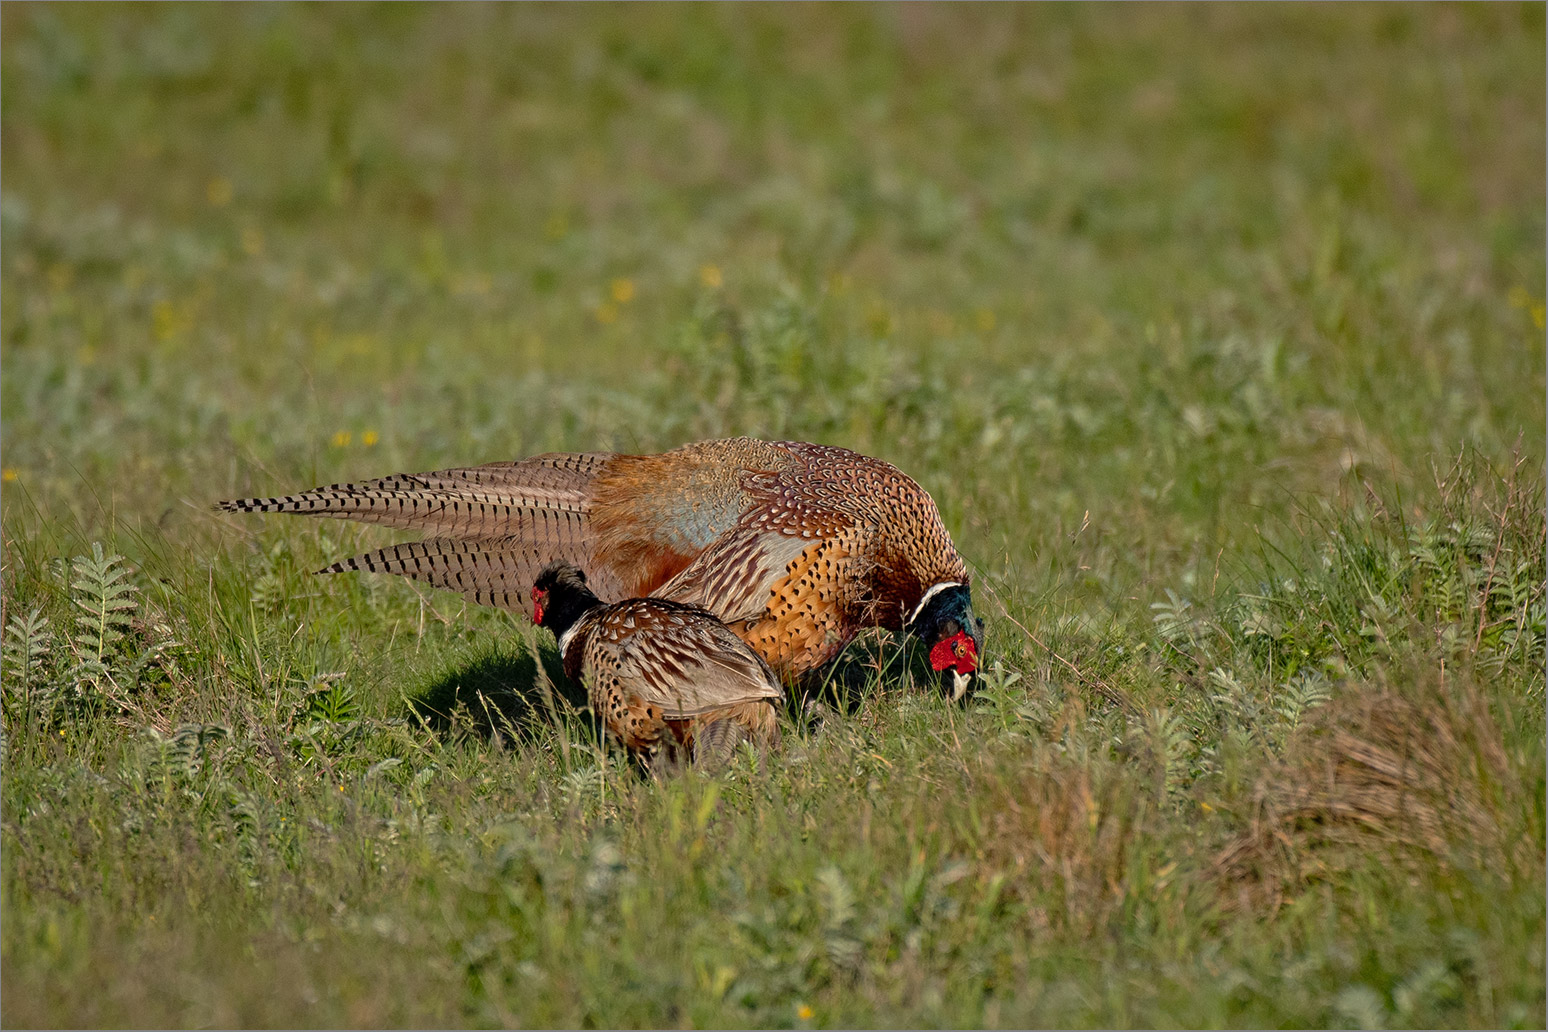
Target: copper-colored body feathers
(795, 546)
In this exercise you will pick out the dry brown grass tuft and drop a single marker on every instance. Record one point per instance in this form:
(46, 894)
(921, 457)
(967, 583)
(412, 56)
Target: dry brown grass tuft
(1422, 767)
(1063, 832)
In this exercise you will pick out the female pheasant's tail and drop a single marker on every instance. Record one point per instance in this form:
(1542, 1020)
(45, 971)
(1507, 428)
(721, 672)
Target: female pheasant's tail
(714, 747)
(493, 527)
(719, 735)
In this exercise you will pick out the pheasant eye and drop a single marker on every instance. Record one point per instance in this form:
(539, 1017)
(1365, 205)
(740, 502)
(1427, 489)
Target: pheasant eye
(956, 652)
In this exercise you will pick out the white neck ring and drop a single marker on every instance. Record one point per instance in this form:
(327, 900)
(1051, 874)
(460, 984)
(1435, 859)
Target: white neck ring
(935, 590)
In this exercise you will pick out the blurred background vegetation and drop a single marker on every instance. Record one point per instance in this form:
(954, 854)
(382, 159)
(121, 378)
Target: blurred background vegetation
(1215, 330)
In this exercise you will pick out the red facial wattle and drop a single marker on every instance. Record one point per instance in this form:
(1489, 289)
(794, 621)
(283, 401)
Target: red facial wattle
(537, 606)
(956, 653)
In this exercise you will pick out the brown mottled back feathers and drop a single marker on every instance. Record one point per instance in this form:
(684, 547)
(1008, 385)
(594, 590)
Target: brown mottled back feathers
(677, 657)
(797, 546)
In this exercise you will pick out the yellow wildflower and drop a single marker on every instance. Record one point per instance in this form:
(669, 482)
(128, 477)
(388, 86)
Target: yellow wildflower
(168, 322)
(219, 191)
(369, 438)
(710, 276)
(804, 1012)
(8, 474)
(342, 439)
(622, 290)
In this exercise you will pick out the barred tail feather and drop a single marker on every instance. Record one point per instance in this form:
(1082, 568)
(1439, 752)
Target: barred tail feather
(497, 500)
(492, 527)
(715, 745)
(495, 573)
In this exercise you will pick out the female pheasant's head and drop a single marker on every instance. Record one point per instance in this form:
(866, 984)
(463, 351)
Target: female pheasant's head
(560, 596)
(944, 621)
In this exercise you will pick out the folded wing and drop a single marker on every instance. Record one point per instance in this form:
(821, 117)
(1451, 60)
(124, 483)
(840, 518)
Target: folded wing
(685, 662)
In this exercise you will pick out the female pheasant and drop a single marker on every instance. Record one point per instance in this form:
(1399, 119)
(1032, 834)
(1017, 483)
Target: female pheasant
(664, 677)
(795, 546)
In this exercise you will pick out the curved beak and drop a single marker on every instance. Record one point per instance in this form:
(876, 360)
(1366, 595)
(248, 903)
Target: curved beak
(959, 685)
(955, 637)
(964, 686)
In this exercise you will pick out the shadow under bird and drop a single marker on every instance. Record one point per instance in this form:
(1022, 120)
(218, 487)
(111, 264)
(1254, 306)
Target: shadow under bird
(796, 547)
(664, 677)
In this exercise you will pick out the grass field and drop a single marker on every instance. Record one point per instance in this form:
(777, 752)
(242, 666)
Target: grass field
(1217, 332)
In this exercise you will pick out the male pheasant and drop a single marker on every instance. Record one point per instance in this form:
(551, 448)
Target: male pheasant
(663, 676)
(795, 546)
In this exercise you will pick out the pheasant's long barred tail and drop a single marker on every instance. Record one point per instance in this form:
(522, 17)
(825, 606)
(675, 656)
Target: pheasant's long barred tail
(493, 526)
(493, 573)
(501, 499)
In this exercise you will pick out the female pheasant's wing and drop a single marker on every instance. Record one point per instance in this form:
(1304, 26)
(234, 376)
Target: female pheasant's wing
(684, 660)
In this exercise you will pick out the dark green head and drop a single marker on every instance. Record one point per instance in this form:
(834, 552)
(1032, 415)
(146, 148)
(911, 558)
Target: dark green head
(944, 621)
